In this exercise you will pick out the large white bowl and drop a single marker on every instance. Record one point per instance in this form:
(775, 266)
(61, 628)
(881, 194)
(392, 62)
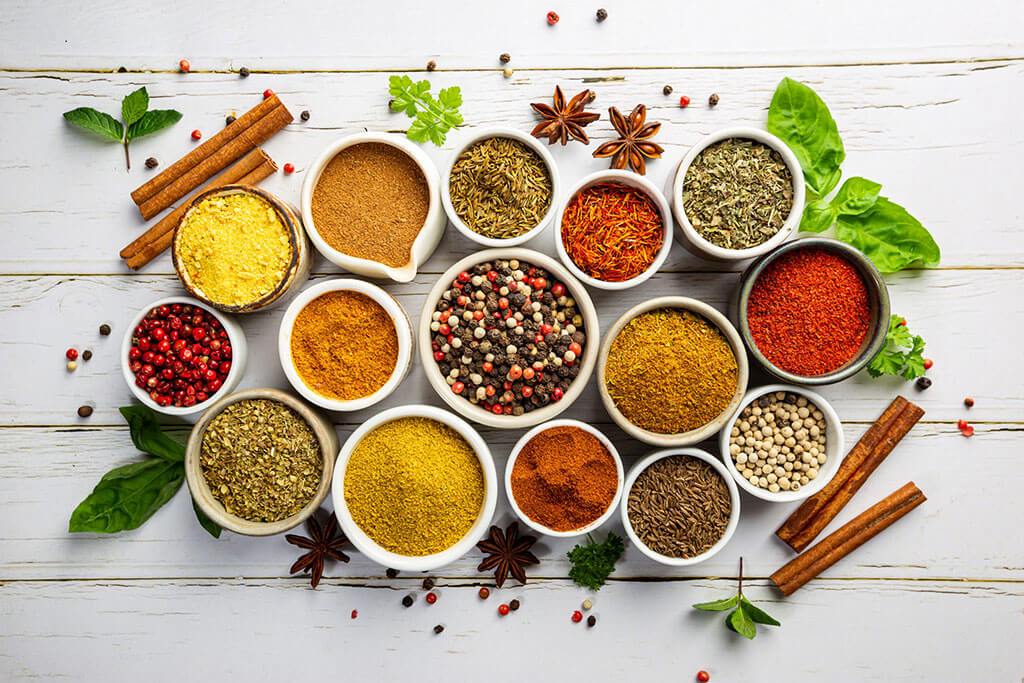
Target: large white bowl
(371, 548)
(834, 446)
(239, 356)
(427, 239)
(518, 136)
(537, 526)
(688, 235)
(403, 330)
(694, 435)
(734, 512)
(632, 180)
(474, 412)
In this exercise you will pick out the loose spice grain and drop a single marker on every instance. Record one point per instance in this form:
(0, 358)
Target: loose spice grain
(370, 202)
(261, 460)
(344, 345)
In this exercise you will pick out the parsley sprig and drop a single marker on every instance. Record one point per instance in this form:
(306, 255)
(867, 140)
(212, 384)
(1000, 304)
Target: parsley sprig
(902, 355)
(432, 117)
(593, 562)
(745, 615)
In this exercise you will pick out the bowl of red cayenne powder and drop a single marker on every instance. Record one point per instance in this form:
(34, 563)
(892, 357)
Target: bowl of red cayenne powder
(813, 311)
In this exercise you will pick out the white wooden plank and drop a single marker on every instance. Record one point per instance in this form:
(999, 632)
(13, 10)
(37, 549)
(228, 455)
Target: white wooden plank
(44, 473)
(327, 35)
(274, 630)
(924, 131)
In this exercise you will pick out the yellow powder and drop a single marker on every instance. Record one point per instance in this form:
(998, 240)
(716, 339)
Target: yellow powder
(414, 486)
(234, 248)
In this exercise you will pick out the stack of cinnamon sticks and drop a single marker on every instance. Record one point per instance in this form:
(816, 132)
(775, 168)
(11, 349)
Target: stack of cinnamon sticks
(237, 146)
(811, 518)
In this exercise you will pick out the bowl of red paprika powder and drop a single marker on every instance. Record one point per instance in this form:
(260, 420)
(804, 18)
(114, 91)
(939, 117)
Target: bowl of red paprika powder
(813, 311)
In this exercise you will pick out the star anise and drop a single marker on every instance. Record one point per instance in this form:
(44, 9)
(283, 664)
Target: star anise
(507, 553)
(634, 140)
(324, 542)
(563, 121)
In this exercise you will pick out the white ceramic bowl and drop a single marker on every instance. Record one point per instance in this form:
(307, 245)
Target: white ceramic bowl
(688, 235)
(518, 136)
(403, 329)
(834, 446)
(537, 526)
(695, 435)
(734, 512)
(427, 239)
(371, 548)
(239, 356)
(632, 180)
(474, 412)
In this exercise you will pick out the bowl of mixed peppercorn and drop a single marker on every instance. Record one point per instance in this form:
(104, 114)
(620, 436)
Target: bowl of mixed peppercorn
(508, 338)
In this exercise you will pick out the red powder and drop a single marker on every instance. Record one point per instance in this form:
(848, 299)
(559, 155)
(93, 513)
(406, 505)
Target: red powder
(808, 312)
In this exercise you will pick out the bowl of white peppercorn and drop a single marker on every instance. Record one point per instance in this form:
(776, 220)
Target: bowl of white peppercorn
(784, 445)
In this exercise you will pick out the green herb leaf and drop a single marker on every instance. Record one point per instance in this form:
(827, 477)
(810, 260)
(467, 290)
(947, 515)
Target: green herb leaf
(153, 121)
(432, 118)
(718, 605)
(96, 122)
(889, 236)
(147, 435)
(594, 562)
(134, 105)
(127, 496)
(802, 120)
(902, 355)
(211, 526)
(819, 215)
(856, 196)
(739, 622)
(756, 614)
(408, 96)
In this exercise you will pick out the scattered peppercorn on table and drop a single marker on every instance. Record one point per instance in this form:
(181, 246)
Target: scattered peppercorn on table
(931, 115)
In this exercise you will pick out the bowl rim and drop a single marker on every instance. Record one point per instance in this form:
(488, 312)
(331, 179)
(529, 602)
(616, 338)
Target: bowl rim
(734, 512)
(403, 330)
(200, 490)
(713, 316)
(835, 448)
(292, 224)
(795, 213)
(238, 352)
(371, 548)
(518, 136)
(590, 352)
(525, 439)
(873, 281)
(635, 181)
(355, 264)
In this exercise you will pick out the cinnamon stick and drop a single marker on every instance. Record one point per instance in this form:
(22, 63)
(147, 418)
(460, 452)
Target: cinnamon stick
(249, 170)
(200, 168)
(847, 538)
(815, 513)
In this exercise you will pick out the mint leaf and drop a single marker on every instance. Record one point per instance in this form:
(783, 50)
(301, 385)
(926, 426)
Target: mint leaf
(818, 216)
(856, 196)
(756, 614)
(127, 496)
(211, 526)
(147, 435)
(802, 120)
(96, 122)
(718, 605)
(889, 236)
(153, 121)
(134, 105)
(741, 623)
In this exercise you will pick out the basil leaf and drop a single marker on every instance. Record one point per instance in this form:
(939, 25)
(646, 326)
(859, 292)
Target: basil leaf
(152, 121)
(802, 120)
(856, 196)
(819, 215)
(756, 614)
(211, 526)
(740, 623)
(134, 105)
(147, 435)
(889, 236)
(96, 122)
(717, 605)
(127, 496)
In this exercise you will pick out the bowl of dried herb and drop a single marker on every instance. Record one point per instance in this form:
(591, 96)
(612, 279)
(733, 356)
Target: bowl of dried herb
(737, 194)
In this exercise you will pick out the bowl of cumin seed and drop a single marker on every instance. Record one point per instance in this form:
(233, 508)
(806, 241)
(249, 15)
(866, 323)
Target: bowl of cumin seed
(680, 506)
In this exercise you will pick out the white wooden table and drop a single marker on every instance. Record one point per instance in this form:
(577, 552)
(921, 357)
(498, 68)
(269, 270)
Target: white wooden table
(928, 100)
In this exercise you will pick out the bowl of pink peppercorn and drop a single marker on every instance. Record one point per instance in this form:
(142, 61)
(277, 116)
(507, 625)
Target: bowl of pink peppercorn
(179, 354)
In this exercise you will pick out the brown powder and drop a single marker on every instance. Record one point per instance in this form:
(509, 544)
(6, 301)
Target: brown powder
(344, 345)
(370, 202)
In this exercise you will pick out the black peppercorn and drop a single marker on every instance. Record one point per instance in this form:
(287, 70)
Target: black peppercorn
(591, 620)
(505, 58)
(713, 100)
(407, 601)
(150, 163)
(431, 65)
(105, 328)
(244, 72)
(84, 411)
(602, 14)
(87, 355)
(513, 605)
(391, 573)
(923, 383)
(428, 583)
(304, 115)
(438, 629)
(229, 120)
(667, 90)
